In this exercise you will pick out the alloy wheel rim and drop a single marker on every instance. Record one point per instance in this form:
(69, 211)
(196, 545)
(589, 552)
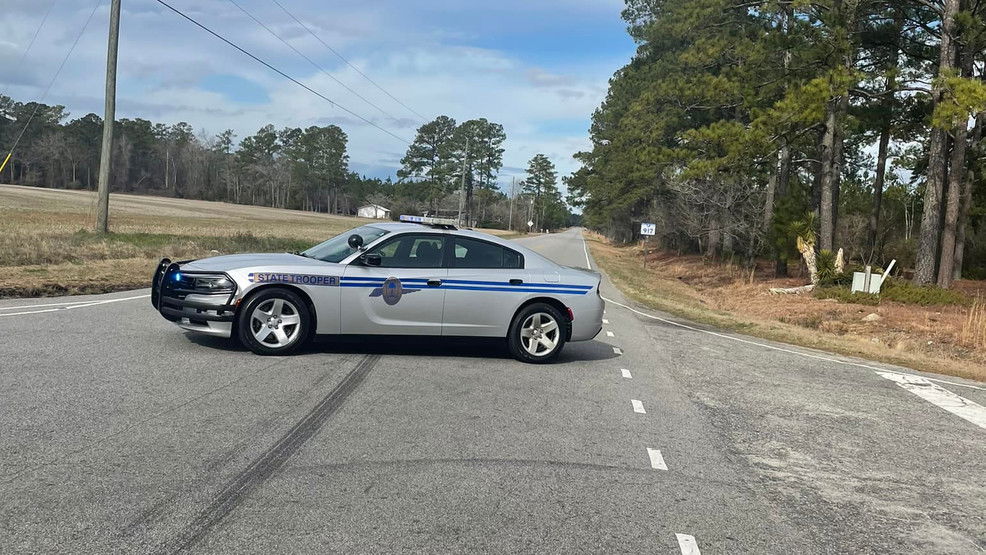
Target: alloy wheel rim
(539, 334)
(275, 323)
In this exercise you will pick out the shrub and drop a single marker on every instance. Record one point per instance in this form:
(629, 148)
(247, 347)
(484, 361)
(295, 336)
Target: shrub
(825, 262)
(906, 292)
(828, 277)
(845, 295)
(896, 290)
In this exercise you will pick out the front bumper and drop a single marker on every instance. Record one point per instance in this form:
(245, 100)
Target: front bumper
(211, 314)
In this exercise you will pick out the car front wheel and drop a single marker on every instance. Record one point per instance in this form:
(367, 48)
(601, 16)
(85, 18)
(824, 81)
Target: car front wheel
(537, 334)
(275, 321)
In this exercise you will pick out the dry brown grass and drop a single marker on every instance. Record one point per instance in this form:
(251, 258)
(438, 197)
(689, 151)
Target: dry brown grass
(47, 245)
(942, 339)
(974, 328)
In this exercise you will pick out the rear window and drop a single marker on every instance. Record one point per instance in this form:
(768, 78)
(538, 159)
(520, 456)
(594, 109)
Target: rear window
(473, 253)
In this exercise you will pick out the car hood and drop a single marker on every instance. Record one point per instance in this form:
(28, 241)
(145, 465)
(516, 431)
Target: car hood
(237, 261)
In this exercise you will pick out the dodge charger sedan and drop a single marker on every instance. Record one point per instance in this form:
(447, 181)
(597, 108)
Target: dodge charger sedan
(393, 278)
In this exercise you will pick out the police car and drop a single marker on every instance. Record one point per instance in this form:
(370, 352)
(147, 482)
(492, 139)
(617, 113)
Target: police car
(418, 276)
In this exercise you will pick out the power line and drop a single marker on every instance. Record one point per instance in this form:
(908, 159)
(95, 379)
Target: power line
(30, 44)
(310, 61)
(44, 95)
(343, 58)
(279, 72)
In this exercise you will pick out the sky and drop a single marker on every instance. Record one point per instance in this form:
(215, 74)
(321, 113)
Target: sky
(539, 67)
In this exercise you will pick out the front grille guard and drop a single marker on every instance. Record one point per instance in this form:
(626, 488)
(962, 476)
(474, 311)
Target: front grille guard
(163, 287)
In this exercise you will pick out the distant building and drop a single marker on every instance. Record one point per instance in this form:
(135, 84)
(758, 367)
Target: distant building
(373, 211)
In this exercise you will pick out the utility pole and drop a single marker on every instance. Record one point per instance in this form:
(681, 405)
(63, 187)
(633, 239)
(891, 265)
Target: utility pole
(462, 187)
(106, 154)
(510, 218)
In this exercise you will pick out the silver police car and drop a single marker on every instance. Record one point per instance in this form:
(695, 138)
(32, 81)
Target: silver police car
(388, 278)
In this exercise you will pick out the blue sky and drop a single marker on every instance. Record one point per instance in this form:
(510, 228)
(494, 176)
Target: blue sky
(539, 68)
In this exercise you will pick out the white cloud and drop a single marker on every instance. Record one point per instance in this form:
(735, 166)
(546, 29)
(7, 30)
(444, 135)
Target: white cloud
(438, 57)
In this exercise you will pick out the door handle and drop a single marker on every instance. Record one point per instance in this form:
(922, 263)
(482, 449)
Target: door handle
(434, 282)
(516, 281)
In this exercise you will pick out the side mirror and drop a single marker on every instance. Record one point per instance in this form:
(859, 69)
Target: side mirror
(355, 241)
(371, 259)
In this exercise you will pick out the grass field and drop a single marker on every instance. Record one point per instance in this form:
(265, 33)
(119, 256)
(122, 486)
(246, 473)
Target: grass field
(48, 247)
(946, 339)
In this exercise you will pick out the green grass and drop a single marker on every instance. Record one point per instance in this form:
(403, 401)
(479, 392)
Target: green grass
(906, 292)
(896, 290)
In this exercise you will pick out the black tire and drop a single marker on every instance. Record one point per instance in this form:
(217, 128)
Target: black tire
(519, 344)
(291, 303)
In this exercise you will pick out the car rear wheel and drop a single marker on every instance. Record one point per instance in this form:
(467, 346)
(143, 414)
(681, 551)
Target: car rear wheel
(275, 321)
(537, 334)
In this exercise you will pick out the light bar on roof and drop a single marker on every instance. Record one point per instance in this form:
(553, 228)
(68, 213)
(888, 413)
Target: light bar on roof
(427, 220)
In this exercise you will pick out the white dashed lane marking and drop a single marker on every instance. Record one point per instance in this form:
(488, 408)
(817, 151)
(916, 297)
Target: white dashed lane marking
(656, 459)
(626, 373)
(618, 350)
(638, 407)
(605, 321)
(687, 544)
(610, 334)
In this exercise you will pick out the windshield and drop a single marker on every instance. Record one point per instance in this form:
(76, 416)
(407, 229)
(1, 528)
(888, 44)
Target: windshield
(337, 248)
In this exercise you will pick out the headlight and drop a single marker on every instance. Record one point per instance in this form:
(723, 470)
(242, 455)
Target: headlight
(213, 284)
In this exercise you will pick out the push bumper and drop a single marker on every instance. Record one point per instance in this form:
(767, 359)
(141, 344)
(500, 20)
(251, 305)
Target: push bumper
(211, 314)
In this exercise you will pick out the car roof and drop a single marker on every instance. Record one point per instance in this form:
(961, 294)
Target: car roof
(399, 226)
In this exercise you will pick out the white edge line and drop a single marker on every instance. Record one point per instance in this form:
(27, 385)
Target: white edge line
(656, 459)
(687, 544)
(44, 305)
(585, 249)
(783, 350)
(63, 307)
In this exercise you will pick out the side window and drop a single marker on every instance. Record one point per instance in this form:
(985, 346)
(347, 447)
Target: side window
(411, 251)
(472, 253)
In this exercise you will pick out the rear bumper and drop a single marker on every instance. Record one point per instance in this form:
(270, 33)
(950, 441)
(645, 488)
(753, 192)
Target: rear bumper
(588, 318)
(203, 313)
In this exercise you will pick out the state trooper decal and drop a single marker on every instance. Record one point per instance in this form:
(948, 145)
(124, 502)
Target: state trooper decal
(391, 291)
(296, 279)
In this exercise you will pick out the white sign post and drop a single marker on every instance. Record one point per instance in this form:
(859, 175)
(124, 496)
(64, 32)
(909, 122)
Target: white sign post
(646, 230)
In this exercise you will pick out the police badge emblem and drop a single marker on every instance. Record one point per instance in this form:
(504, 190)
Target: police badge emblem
(392, 291)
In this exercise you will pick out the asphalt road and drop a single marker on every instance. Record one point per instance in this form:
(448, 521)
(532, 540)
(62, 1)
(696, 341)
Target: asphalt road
(120, 433)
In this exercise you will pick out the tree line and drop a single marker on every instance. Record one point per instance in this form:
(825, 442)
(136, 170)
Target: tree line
(446, 157)
(740, 126)
(297, 168)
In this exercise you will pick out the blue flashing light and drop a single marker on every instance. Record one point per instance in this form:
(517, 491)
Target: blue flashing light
(178, 276)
